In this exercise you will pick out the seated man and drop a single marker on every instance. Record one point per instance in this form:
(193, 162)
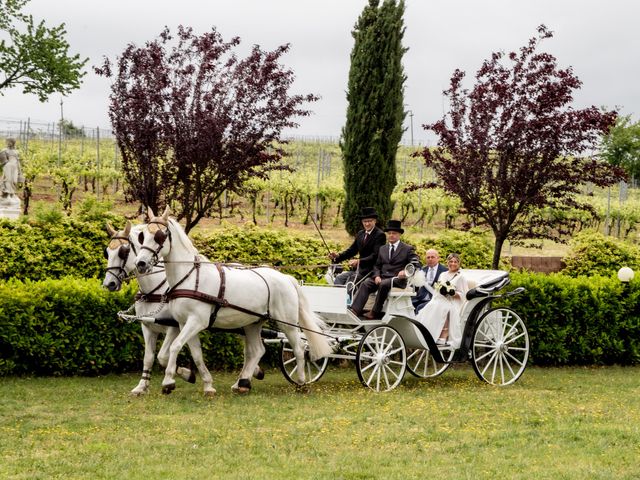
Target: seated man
(392, 259)
(366, 244)
(432, 271)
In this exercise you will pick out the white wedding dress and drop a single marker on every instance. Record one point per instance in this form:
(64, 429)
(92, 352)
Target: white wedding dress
(434, 314)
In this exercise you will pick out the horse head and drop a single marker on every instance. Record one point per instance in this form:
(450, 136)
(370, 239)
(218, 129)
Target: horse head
(120, 262)
(154, 239)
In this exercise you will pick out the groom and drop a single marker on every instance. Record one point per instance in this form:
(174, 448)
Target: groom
(432, 271)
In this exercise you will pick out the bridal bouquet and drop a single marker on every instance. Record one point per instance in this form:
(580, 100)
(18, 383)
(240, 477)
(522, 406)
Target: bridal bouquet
(445, 288)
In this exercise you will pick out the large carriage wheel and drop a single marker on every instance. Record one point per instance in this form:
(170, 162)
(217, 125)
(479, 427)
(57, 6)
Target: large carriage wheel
(381, 359)
(421, 363)
(500, 347)
(312, 370)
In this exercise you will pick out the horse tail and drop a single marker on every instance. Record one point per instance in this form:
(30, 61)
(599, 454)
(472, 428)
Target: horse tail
(313, 327)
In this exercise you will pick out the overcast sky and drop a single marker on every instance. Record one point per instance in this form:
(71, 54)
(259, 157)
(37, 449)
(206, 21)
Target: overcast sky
(599, 39)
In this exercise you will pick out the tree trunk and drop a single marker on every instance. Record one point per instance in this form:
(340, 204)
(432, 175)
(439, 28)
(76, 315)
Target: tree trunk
(497, 250)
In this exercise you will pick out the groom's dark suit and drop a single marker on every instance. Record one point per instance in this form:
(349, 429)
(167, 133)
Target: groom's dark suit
(423, 296)
(385, 268)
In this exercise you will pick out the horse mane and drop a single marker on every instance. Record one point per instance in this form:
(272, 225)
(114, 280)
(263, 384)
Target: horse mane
(178, 234)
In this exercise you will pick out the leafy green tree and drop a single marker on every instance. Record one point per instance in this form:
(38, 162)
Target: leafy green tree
(621, 147)
(35, 56)
(375, 113)
(70, 130)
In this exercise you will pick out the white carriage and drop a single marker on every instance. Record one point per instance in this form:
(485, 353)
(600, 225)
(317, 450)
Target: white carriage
(495, 340)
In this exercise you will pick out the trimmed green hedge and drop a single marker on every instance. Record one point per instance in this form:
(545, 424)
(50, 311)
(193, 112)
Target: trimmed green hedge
(41, 250)
(252, 245)
(579, 321)
(70, 327)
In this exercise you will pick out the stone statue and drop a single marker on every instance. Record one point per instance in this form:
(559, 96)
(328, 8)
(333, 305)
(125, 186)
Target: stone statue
(11, 175)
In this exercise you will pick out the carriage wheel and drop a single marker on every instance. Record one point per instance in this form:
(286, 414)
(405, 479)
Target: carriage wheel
(500, 347)
(381, 359)
(312, 370)
(421, 363)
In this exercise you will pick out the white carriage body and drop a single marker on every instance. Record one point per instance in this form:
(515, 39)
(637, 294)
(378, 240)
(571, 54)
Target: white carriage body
(495, 340)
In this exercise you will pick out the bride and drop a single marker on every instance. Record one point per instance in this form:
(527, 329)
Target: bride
(441, 315)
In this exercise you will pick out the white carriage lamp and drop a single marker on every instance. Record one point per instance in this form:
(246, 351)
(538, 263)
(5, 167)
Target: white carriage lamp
(625, 275)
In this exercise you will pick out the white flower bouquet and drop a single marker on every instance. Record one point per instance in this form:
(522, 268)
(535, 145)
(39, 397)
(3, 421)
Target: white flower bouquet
(445, 288)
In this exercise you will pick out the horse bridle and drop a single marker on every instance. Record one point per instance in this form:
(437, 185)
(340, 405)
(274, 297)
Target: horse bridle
(160, 236)
(124, 250)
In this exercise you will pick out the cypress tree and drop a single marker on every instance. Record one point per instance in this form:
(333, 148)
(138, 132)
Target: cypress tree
(375, 111)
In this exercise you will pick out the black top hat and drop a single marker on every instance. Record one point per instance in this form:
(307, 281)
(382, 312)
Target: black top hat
(394, 226)
(368, 212)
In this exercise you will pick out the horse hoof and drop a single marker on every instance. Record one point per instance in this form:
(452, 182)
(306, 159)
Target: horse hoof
(259, 374)
(303, 388)
(241, 390)
(137, 393)
(210, 393)
(167, 389)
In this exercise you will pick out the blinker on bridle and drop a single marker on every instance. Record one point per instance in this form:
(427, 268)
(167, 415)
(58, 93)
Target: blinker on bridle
(124, 250)
(160, 236)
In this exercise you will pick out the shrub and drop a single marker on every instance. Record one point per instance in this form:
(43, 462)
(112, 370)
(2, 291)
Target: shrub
(298, 255)
(592, 253)
(474, 247)
(39, 250)
(579, 321)
(70, 327)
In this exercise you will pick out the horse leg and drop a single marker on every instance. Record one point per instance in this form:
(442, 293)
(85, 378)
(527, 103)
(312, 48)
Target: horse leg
(253, 352)
(196, 353)
(163, 355)
(190, 330)
(295, 341)
(150, 340)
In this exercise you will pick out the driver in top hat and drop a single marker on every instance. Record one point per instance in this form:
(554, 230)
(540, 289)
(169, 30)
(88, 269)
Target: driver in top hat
(366, 245)
(392, 258)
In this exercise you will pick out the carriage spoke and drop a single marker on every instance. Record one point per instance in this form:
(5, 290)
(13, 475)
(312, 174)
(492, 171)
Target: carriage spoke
(489, 362)
(515, 338)
(495, 365)
(510, 369)
(375, 370)
(368, 366)
(515, 359)
(484, 355)
(291, 360)
(387, 368)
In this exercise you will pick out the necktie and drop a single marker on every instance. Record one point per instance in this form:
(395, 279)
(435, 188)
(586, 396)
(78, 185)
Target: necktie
(392, 251)
(431, 274)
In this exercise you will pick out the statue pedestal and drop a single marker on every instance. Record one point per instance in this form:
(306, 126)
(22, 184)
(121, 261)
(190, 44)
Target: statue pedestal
(10, 207)
(10, 212)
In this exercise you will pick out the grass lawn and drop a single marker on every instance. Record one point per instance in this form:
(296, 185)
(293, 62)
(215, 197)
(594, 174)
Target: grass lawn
(569, 423)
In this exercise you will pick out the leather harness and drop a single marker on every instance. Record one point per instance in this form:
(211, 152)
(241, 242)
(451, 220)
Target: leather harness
(219, 301)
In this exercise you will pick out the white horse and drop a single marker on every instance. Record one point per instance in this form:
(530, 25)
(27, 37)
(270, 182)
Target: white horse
(202, 292)
(120, 254)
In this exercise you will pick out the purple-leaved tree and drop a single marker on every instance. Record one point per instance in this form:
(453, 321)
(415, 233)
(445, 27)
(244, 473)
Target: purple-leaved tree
(512, 149)
(193, 120)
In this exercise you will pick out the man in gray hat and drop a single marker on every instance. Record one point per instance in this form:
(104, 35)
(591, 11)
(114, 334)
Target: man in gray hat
(389, 268)
(366, 245)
